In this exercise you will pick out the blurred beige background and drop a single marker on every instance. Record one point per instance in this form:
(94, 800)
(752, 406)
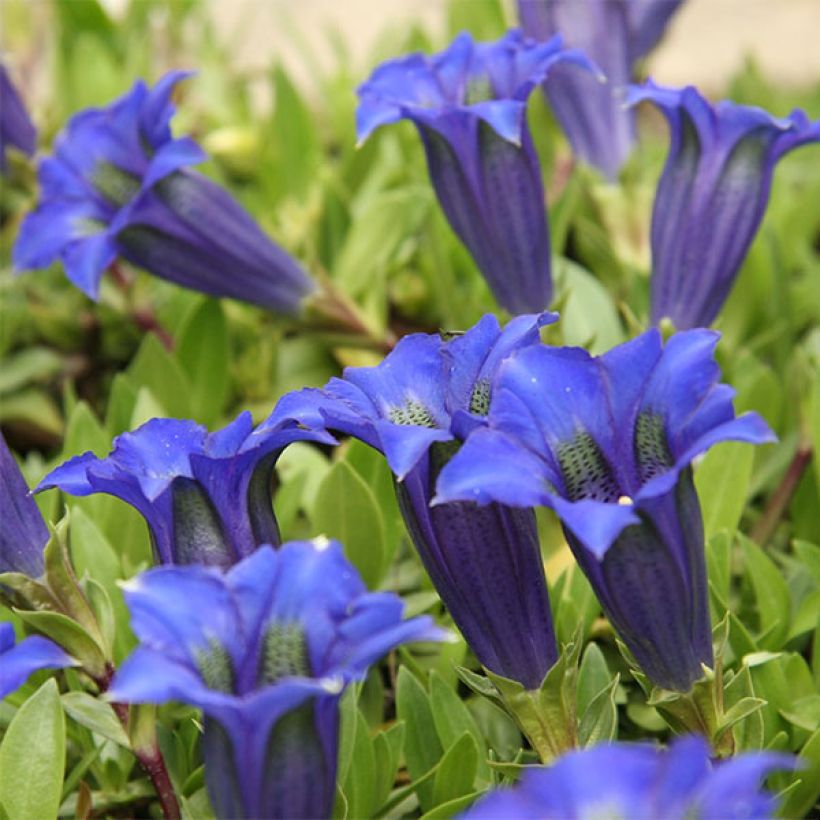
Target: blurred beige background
(706, 43)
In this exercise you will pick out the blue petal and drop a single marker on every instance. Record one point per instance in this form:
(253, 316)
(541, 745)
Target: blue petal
(16, 127)
(28, 656)
(157, 110)
(172, 156)
(86, 260)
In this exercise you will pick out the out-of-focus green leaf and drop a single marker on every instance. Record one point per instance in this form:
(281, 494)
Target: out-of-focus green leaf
(722, 481)
(771, 594)
(32, 757)
(347, 509)
(155, 368)
(30, 365)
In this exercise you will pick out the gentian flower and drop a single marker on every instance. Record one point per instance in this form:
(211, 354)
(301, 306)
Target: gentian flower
(118, 186)
(711, 196)
(641, 782)
(205, 496)
(30, 655)
(615, 34)
(469, 105)
(23, 533)
(265, 651)
(485, 562)
(16, 129)
(607, 442)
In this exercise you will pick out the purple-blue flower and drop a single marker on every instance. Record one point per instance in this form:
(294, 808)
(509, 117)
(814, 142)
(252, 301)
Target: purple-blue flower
(18, 661)
(23, 533)
(711, 197)
(205, 496)
(16, 128)
(469, 105)
(615, 34)
(118, 186)
(414, 407)
(607, 442)
(640, 782)
(265, 651)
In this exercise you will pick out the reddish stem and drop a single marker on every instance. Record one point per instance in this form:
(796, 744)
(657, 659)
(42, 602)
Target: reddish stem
(151, 759)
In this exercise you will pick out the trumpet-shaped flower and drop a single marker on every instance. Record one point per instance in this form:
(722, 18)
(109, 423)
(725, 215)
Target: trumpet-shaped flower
(607, 442)
(711, 196)
(624, 780)
(614, 33)
(265, 651)
(205, 496)
(23, 533)
(18, 661)
(414, 407)
(16, 129)
(118, 186)
(469, 105)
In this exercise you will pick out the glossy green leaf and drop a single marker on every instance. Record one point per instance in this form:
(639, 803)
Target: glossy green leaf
(32, 757)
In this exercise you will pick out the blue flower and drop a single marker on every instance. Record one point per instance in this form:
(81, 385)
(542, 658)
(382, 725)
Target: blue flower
(485, 562)
(641, 782)
(19, 661)
(711, 197)
(265, 651)
(615, 34)
(607, 442)
(23, 533)
(469, 104)
(16, 129)
(118, 186)
(205, 496)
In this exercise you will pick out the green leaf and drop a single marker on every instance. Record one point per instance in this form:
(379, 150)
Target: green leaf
(452, 807)
(360, 784)
(593, 676)
(387, 747)
(722, 482)
(804, 712)
(422, 748)
(203, 351)
(32, 757)
(576, 604)
(719, 564)
(96, 715)
(800, 801)
(457, 771)
(771, 595)
(347, 509)
(599, 722)
(452, 718)
(121, 402)
(155, 368)
(84, 432)
(29, 365)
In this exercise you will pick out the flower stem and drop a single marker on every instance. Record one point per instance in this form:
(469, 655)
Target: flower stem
(150, 757)
(782, 496)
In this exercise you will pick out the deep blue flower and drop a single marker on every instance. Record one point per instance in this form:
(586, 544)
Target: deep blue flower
(118, 186)
(711, 197)
(31, 654)
(607, 442)
(23, 533)
(641, 782)
(615, 34)
(205, 496)
(265, 651)
(469, 105)
(485, 562)
(16, 129)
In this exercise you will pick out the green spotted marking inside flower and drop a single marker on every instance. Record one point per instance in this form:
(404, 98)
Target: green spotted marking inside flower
(651, 449)
(412, 413)
(479, 89)
(480, 400)
(117, 186)
(586, 472)
(216, 667)
(284, 654)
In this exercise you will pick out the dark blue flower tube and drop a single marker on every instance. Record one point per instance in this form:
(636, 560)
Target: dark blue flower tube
(469, 105)
(205, 496)
(607, 442)
(18, 661)
(16, 128)
(615, 34)
(641, 781)
(118, 186)
(265, 651)
(485, 562)
(23, 533)
(711, 197)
